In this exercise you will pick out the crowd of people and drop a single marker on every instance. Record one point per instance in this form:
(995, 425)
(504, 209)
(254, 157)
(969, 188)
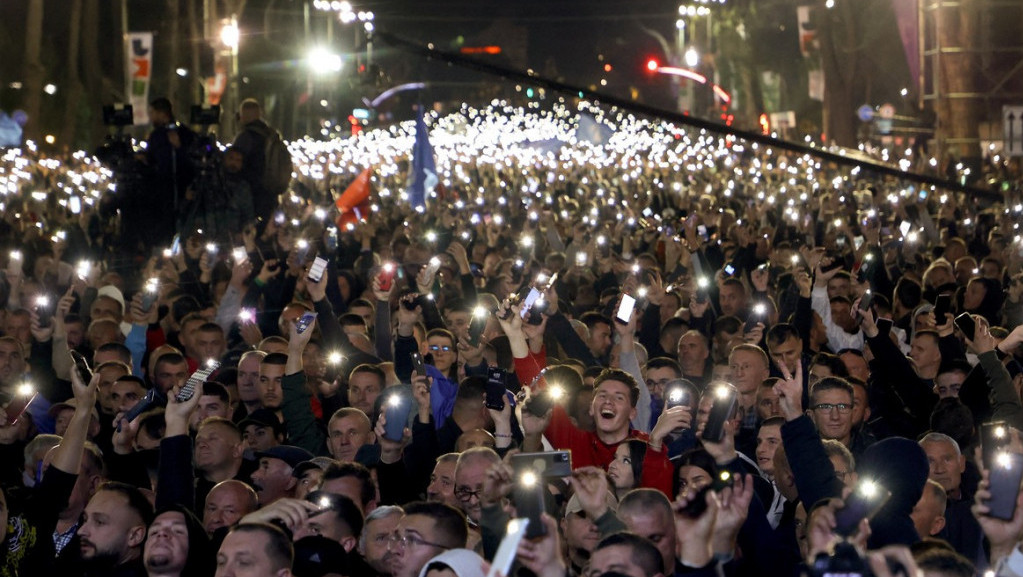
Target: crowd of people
(671, 352)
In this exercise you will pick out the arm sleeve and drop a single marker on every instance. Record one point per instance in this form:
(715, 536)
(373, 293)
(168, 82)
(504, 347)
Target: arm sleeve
(382, 331)
(136, 343)
(813, 471)
(303, 428)
(176, 481)
(917, 396)
(1005, 402)
(574, 346)
(658, 472)
(629, 363)
(227, 312)
(649, 333)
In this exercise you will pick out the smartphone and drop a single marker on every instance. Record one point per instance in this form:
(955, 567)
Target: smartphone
(539, 403)
(942, 304)
(199, 377)
(477, 324)
(509, 547)
(332, 239)
(386, 276)
(529, 502)
(433, 266)
(729, 269)
(304, 321)
(176, 245)
(23, 397)
(866, 300)
(417, 364)
(757, 315)
(702, 231)
(966, 324)
(82, 366)
(697, 503)
(301, 250)
(240, 255)
(1005, 476)
(247, 316)
(677, 395)
(994, 437)
(527, 303)
(884, 326)
(725, 399)
(545, 464)
(702, 294)
(863, 503)
(42, 308)
(153, 398)
(316, 270)
(496, 388)
(150, 294)
(835, 263)
(396, 411)
(625, 308)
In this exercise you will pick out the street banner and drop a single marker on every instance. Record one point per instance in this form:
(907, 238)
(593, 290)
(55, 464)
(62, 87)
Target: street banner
(139, 67)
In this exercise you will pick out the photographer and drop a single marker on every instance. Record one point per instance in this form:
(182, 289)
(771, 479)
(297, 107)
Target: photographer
(169, 172)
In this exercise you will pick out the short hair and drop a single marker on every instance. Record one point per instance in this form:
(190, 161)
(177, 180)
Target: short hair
(934, 437)
(351, 320)
(278, 544)
(955, 366)
(939, 493)
(253, 353)
(137, 500)
(664, 363)
(13, 341)
(381, 512)
(448, 458)
(162, 104)
(250, 105)
(833, 448)
(170, 359)
(772, 422)
(643, 500)
(622, 377)
(369, 369)
(592, 319)
(951, 417)
(275, 359)
(440, 333)
(478, 454)
(344, 412)
(215, 389)
(780, 333)
(40, 442)
(727, 324)
(123, 352)
(831, 384)
(833, 362)
(222, 422)
(947, 563)
(751, 349)
(450, 526)
(208, 327)
(336, 470)
(133, 379)
(643, 553)
(113, 364)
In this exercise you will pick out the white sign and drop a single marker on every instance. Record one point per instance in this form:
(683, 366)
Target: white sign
(1012, 126)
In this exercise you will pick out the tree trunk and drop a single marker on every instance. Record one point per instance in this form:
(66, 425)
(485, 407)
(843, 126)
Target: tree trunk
(33, 87)
(840, 60)
(92, 69)
(174, 56)
(73, 89)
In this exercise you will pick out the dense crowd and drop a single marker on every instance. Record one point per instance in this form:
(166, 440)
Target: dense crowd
(653, 351)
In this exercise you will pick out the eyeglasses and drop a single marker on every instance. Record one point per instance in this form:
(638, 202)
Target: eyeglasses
(842, 408)
(659, 384)
(399, 541)
(466, 494)
(444, 348)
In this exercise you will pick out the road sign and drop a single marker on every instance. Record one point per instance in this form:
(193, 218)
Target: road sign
(887, 110)
(865, 113)
(1012, 125)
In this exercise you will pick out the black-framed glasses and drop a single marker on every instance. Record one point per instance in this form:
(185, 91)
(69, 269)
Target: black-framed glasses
(444, 348)
(842, 408)
(464, 493)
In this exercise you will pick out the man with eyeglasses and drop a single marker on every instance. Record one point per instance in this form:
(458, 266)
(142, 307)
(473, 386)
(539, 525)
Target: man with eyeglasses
(470, 472)
(426, 530)
(831, 403)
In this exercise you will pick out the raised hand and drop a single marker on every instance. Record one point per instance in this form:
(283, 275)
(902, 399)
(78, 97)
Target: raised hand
(790, 391)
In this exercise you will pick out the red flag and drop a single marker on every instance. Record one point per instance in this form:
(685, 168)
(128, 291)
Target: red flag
(353, 203)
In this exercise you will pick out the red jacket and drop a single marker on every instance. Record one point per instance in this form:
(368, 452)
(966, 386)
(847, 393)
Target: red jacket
(587, 449)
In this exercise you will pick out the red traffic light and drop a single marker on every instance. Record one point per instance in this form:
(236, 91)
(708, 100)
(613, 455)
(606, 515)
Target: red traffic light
(652, 65)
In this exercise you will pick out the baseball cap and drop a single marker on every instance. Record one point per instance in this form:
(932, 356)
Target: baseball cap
(111, 292)
(262, 418)
(72, 404)
(290, 454)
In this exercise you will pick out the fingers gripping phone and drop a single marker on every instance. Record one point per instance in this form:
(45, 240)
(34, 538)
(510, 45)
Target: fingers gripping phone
(967, 325)
(725, 400)
(625, 309)
(396, 412)
(863, 503)
(82, 366)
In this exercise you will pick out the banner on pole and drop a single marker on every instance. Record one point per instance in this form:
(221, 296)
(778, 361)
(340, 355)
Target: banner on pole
(139, 69)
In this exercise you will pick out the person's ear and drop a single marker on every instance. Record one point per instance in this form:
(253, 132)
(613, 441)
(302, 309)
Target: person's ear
(937, 525)
(136, 535)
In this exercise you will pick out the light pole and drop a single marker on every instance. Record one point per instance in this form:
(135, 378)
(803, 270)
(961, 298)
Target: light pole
(230, 38)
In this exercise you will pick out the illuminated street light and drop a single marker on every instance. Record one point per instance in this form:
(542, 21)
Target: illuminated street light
(229, 35)
(692, 58)
(322, 61)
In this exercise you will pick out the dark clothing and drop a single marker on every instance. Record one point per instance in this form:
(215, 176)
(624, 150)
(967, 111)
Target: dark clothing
(251, 141)
(30, 543)
(963, 532)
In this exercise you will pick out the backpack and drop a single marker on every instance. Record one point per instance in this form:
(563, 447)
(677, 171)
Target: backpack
(277, 164)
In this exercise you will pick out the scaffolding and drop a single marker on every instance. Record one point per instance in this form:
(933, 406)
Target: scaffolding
(971, 65)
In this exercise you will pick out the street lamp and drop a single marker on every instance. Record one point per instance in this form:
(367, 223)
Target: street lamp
(230, 38)
(229, 34)
(322, 61)
(692, 58)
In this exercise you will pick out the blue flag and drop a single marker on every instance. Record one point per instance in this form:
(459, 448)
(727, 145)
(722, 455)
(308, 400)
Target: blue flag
(423, 177)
